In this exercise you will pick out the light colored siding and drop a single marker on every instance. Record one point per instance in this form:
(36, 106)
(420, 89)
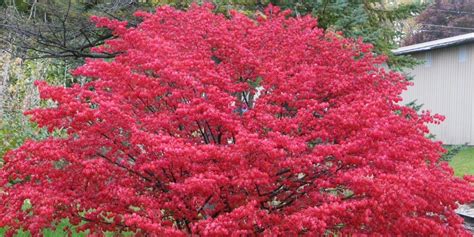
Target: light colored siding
(446, 86)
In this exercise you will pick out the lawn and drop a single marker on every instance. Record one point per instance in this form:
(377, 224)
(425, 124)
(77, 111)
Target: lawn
(463, 162)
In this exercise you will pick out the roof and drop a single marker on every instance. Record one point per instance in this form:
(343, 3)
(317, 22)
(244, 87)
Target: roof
(435, 44)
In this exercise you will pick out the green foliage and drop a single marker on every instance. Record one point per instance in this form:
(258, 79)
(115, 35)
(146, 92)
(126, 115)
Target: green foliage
(22, 5)
(20, 94)
(414, 105)
(14, 130)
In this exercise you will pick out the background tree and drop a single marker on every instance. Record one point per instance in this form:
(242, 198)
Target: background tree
(209, 125)
(18, 93)
(443, 19)
(62, 28)
(59, 29)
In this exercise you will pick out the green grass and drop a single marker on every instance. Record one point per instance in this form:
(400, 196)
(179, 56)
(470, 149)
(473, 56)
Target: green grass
(463, 162)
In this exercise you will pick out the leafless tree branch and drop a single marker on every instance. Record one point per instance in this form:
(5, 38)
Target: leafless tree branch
(61, 29)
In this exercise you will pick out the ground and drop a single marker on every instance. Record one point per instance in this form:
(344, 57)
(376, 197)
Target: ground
(463, 162)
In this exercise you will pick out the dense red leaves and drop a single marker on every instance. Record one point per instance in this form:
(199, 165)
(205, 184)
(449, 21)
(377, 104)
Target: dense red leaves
(213, 126)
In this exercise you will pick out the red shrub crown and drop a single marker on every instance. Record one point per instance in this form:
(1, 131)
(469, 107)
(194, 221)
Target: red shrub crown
(217, 126)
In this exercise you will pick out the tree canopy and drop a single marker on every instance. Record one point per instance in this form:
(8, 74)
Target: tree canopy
(443, 19)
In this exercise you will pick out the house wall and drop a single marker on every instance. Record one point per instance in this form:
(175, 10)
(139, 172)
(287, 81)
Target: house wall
(444, 84)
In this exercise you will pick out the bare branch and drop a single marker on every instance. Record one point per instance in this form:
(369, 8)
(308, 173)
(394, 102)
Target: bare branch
(61, 29)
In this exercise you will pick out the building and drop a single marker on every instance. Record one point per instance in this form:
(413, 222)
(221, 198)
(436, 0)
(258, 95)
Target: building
(444, 84)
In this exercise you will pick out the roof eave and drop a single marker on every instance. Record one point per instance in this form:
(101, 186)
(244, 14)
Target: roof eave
(436, 44)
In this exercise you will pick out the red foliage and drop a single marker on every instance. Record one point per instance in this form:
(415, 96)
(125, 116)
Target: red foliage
(172, 137)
